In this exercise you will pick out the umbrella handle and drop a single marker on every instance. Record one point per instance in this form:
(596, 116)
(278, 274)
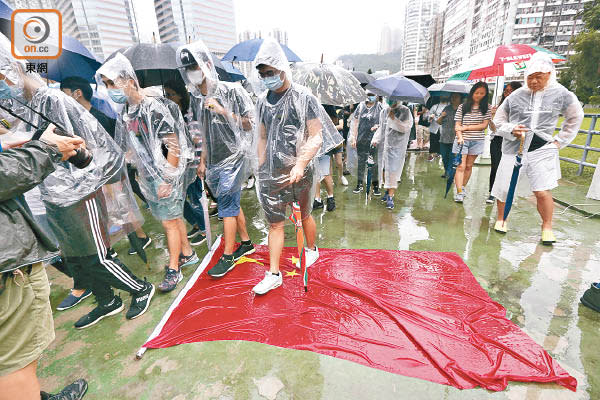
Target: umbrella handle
(521, 144)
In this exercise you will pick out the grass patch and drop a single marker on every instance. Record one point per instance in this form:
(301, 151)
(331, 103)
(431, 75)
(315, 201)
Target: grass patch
(569, 170)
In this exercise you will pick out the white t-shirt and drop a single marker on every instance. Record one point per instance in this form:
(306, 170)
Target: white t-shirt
(436, 112)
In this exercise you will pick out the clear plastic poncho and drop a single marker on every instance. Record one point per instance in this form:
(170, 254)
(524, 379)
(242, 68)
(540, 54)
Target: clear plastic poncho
(361, 123)
(225, 116)
(292, 128)
(67, 184)
(153, 134)
(124, 214)
(539, 111)
(392, 137)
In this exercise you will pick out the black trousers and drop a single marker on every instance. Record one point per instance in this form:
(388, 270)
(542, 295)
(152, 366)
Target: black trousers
(434, 143)
(135, 186)
(363, 155)
(496, 154)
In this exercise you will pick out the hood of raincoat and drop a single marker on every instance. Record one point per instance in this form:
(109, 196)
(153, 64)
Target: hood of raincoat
(119, 70)
(541, 62)
(203, 58)
(271, 54)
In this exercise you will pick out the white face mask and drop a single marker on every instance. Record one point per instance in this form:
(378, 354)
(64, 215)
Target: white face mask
(196, 76)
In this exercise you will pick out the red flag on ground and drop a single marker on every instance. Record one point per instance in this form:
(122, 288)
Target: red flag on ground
(419, 314)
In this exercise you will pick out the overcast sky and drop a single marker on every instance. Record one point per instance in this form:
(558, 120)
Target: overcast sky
(331, 27)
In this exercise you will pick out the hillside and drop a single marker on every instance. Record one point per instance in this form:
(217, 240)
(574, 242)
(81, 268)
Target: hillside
(376, 62)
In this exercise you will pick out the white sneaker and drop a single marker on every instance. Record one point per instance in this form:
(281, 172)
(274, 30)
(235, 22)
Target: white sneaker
(311, 257)
(344, 180)
(250, 183)
(464, 191)
(459, 197)
(269, 282)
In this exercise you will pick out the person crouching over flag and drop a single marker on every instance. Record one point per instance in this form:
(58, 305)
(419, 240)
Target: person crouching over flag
(531, 113)
(225, 114)
(152, 131)
(293, 128)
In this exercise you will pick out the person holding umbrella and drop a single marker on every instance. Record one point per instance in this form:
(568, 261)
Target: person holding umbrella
(472, 119)
(448, 134)
(527, 120)
(364, 123)
(153, 132)
(292, 129)
(225, 114)
(394, 134)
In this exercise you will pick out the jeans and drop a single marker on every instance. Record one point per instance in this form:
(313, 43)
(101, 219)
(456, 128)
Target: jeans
(192, 208)
(446, 152)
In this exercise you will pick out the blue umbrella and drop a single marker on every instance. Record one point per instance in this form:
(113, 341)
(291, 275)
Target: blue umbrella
(397, 87)
(513, 180)
(234, 73)
(75, 59)
(455, 163)
(246, 51)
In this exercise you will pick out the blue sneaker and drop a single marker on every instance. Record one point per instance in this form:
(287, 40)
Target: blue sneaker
(390, 203)
(71, 301)
(385, 197)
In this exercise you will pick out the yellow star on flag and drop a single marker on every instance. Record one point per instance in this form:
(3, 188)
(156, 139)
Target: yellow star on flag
(245, 259)
(295, 260)
(291, 273)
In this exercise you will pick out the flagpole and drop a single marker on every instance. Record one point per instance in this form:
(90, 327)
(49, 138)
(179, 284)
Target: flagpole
(180, 296)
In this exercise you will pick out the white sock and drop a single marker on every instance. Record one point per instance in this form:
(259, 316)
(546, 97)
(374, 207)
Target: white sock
(329, 196)
(318, 199)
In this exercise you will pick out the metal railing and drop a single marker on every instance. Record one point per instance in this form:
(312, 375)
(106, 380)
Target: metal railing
(587, 148)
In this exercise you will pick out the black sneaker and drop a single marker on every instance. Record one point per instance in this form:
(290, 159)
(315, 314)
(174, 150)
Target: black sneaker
(114, 307)
(490, 199)
(198, 239)
(222, 267)
(112, 253)
(330, 204)
(186, 261)
(213, 212)
(74, 391)
(376, 191)
(145, 243)
(172, 278)
(140, 302)
(317, 204)
(346, 172)
(359, 188)
(243, 250)
(591, 297)
(193, 232)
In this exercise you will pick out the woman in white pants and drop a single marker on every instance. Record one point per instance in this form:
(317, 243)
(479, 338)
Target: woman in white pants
(531, 113)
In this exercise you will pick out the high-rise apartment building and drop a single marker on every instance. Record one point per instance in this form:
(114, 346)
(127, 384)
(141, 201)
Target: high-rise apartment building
(385, 40)
(213, 21)
(418, 17)
(437, 41)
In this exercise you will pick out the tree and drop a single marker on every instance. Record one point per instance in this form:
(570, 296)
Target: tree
(583, 68)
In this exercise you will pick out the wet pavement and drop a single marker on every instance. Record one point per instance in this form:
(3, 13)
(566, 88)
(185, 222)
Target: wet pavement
(539, 286)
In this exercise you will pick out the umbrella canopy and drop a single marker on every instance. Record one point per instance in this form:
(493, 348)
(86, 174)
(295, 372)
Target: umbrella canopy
(155, 63)
(75, 58)
(246, 51)
(397, 87)
(234, 73)
(329, 83)
(363, 77)
(500, 61)
(446, 89)
(420, 77)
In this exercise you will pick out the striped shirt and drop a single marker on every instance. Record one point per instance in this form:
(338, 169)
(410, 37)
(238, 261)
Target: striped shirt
(475, 117)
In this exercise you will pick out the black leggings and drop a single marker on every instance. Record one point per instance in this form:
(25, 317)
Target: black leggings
(496, 154)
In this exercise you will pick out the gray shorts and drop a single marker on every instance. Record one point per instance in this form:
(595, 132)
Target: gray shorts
(275, 197)
(471, 147)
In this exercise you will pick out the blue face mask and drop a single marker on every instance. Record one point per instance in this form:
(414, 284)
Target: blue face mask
(117, 95)
(372, 98)
(273, 82)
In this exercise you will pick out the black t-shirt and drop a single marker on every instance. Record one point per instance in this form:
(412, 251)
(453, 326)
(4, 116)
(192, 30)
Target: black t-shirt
(107, 122)
(536, 143)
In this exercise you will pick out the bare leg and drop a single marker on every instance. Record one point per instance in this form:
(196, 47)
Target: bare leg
(186, 249)
(318, 190)
(391, 192)
(339, 164)
(22, 384)
(229, 231)
(141, 234)
(468, 168)
(310, 231)
(500, 207)
(276, 239)
(545, 206)
(173, 242)
(460, 172)
(328, 185)
(241, 226)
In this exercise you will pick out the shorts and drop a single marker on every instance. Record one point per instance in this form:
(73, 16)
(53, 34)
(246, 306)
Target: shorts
(323, 166)
(423, 133)
(336, 150)
(275, 197)
(26, 324)
(166, 208)
(541, 168)
(228, 204)
(471, 147)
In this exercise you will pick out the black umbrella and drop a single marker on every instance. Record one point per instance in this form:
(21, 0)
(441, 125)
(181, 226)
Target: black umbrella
(362, 77)
(155, 63)
(137, 245)
(419, 77)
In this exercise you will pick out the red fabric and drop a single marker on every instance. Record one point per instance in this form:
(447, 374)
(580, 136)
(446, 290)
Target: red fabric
(487, 72)
(419, 314)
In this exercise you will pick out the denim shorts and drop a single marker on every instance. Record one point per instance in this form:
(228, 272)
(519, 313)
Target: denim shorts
(167, 208)
(471, 147)
(228, 204)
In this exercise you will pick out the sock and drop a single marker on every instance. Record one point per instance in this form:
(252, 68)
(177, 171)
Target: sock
(246, 242)
(318, 199)
(330, 196)
(458, 190)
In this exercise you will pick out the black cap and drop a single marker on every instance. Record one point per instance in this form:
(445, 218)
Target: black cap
(187, 59)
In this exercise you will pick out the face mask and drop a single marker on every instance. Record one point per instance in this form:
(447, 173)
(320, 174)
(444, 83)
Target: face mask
(196, 76)
(54, 85)
(117, 95)
(391, 102)
(10, 92)
(273, 82)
